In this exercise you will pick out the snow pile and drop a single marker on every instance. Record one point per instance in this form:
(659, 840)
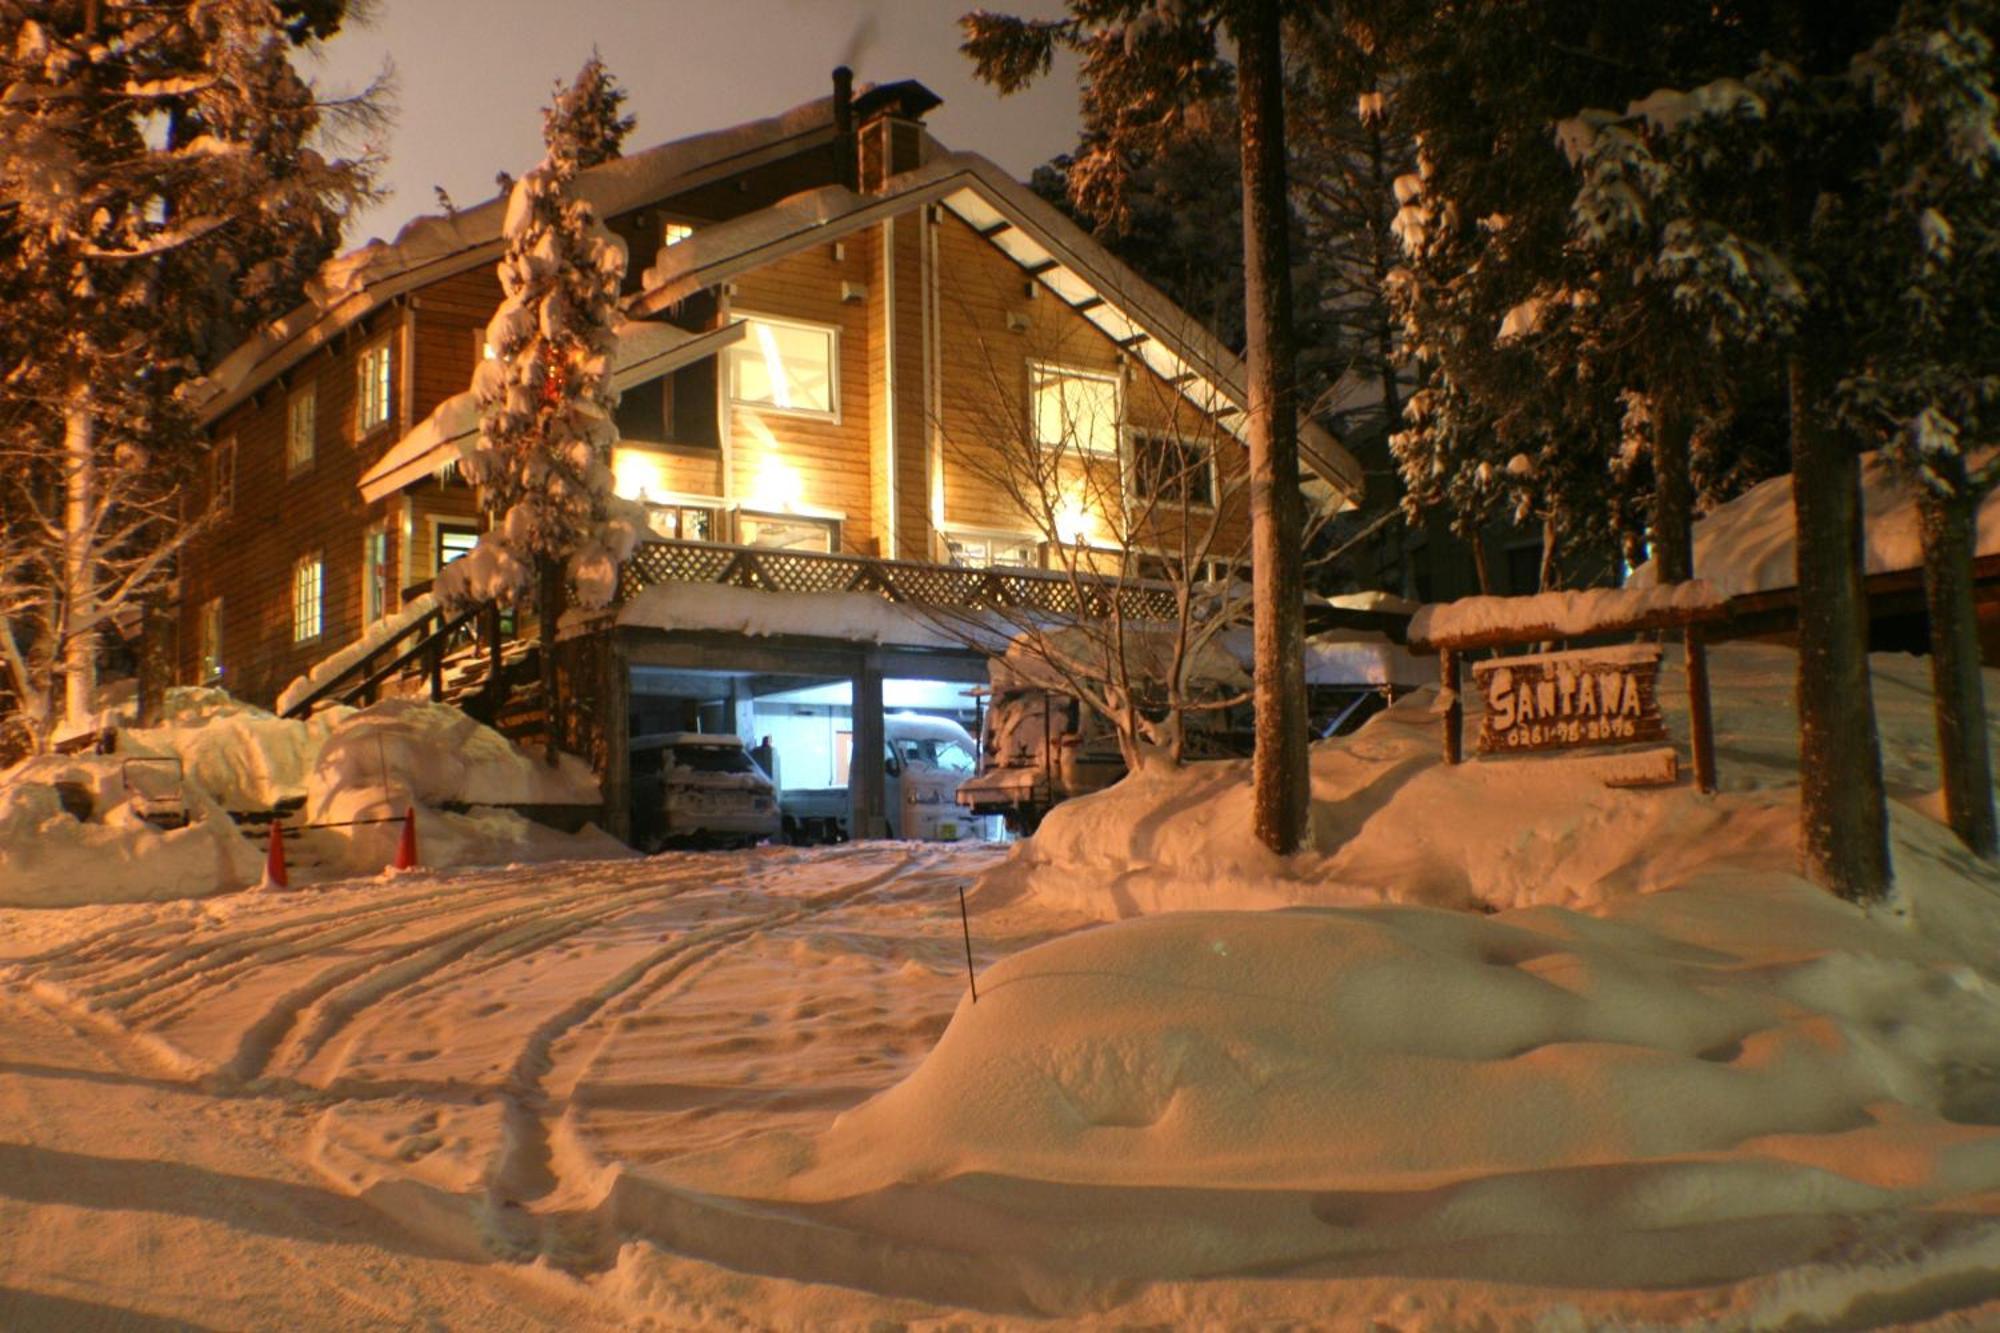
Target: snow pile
(50, 858)
(374, 637)
(341, 765)
(1390, 822)
(402, 753)
(857, 617)
(242, 757)
(1317, 1085)
(1749, 544)
(1560, 615)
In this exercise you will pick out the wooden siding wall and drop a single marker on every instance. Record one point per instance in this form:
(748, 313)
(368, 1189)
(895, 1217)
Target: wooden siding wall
(983, 300)
(825, 453)
(247, 558)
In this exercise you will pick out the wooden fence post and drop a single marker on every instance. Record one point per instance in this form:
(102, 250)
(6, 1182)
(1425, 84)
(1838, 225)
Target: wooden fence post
(1454, 710)
(1701, 722)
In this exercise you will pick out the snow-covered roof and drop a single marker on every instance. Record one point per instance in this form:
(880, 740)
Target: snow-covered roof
(646, 350)
(1059, 255)
(432, 247)
(1750, 544)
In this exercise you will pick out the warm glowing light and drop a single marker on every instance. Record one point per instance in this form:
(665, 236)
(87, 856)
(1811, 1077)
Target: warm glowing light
(778, 487)
(774, 364)
(1074, 521)
(639, 474)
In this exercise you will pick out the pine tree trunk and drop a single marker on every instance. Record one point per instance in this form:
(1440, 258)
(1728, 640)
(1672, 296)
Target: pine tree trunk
(1673, 494)
(1946, 525)
(1843, 815)
(548, 603)
(1276, 507)
(79, 585)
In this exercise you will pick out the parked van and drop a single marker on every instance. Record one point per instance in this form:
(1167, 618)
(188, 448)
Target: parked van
(924, 759)
(691, 789)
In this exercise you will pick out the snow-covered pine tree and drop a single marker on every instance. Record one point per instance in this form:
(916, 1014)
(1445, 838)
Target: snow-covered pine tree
(542, 459)
(153, 161)
(1144, 63)
(1927, 384)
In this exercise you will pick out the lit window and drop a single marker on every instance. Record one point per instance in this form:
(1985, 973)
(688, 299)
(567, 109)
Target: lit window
(374, 575)
(222, 475)
(785, 366)
(307, 584)
(1173, 469)
(787, 533)
(455, 540)
(1074, 409)
(675, 232)
(300, 417)
(371, 393)
(210, 632)
(983, 552)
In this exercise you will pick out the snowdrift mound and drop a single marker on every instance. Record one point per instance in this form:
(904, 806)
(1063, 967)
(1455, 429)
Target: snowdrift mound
(1391, 823)
(339, 766)
(50, 858)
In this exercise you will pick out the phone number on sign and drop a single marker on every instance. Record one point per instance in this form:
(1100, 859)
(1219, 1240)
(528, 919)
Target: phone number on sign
(1557, 733)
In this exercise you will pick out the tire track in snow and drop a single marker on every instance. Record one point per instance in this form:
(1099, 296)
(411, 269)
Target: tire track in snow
(525, 1172)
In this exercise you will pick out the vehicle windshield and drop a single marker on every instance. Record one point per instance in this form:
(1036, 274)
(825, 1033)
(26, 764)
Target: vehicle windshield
(713, 759)
(948, 756)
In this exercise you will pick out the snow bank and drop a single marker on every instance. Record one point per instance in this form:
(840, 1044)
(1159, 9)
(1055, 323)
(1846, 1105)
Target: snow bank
(404, 753)
(856, 617)
(48, 858)
(341, 765)
(1390, 822)
(1749, 544)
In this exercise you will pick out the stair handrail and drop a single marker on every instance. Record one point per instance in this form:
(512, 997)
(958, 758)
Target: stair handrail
(344, 685)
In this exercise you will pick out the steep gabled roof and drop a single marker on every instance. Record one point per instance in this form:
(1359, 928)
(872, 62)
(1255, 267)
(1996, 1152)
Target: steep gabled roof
(352, 286)
(1057, 253)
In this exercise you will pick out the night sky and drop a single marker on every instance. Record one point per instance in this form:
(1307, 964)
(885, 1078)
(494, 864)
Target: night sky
(472, 76)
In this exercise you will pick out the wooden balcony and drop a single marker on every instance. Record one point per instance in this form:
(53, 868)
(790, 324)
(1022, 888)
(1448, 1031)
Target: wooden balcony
(1055, 592)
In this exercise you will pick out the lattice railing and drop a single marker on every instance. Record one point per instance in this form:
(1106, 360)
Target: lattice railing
(950, 586)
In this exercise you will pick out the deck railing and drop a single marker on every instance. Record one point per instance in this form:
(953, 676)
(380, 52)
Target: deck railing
(953, 587)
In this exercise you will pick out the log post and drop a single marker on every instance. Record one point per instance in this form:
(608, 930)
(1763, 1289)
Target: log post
(1701, 721)
(435, 662)
(1454, 709)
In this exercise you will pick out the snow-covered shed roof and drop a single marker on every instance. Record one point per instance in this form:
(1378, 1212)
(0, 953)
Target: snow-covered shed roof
(1055, 251)
(432, 247)
(1750, 544)
(646, 350)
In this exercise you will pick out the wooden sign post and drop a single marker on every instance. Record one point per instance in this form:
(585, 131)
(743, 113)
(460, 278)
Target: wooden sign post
(1586, 698)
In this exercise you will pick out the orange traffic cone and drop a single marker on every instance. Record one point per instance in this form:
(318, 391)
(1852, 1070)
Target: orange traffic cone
(274, 864)
(406, 849)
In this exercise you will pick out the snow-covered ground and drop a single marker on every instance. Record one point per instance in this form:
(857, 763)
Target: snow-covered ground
(1504, 1049)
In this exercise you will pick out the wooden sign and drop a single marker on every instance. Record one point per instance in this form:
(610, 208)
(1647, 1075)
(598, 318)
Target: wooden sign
(1564, 701)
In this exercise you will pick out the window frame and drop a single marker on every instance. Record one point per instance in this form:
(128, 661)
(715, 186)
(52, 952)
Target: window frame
(222, 477)
(364, 384)
(734, 354)
(830, 526)
(208, 642)
(1132, 471)
(440, 528)
(989, 539)
(377, 581)
(308, 597)
(296, 463)
(1039, 369)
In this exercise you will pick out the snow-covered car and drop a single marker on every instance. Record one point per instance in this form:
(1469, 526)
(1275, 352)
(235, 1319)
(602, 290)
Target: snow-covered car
(694, 789)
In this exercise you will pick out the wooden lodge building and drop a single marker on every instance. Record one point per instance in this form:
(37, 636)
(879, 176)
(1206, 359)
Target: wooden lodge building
(831, 317)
